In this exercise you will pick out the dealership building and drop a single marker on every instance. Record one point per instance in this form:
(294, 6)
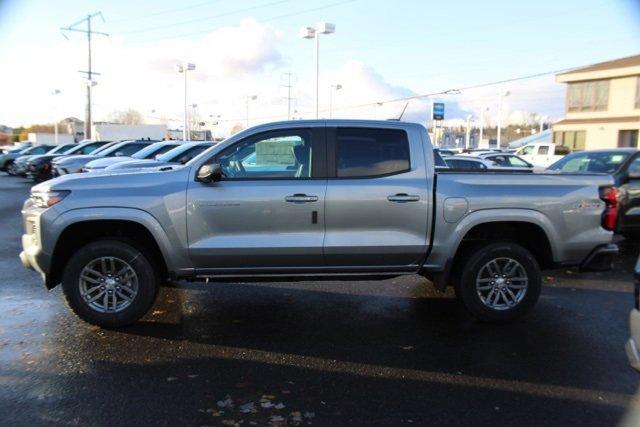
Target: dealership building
(602, 106)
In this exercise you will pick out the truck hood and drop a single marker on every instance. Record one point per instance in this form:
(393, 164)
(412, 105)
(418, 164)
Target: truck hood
(103, 162)
(44, 157)
(90, 185)
(24, 159)
(79, 157)
(139, 164)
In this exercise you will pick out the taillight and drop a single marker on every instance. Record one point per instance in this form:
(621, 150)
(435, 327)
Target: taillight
(610, 215)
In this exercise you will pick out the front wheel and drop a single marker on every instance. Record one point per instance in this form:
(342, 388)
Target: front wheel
(500, 282)
(11, 169)
(109, 283)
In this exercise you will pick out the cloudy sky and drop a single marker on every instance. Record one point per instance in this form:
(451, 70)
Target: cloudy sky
(381, 51)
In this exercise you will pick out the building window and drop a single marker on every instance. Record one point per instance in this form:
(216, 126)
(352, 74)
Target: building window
(573, 140)
(628, 138)
(588, 96)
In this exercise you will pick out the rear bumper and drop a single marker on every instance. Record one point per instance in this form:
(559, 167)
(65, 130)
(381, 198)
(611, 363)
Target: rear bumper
(600, 258)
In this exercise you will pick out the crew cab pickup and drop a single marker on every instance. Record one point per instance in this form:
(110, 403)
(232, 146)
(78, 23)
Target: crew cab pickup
(314, 199)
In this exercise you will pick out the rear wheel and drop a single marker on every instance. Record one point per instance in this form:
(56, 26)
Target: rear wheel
(499, 282)
(109, 283)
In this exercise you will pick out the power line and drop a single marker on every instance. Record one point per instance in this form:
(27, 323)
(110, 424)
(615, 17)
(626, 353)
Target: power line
(163, 12)
(424, 95)
(301, 12)
(89, 72)
(206, 18)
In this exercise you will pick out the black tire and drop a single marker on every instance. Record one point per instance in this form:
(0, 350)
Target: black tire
(147, 283)
(471, 269)
(10, 168)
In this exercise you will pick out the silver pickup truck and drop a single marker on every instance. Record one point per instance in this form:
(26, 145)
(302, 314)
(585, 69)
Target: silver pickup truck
(311, 199)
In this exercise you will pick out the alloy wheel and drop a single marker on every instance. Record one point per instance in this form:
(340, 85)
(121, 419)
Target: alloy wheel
(502, 283)
(108, 284)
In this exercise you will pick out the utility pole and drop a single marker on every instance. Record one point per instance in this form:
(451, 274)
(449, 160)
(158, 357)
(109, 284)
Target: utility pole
(89, 72)
(289, 98)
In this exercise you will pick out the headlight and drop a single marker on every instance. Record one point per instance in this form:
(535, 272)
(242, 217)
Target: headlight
(45, 199)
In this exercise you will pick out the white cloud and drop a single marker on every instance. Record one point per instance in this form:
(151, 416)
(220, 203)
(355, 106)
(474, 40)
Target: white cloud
(231, 63)
(361, 84)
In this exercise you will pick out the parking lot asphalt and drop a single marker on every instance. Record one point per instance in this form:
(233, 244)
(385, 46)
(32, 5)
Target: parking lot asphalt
(323, 353)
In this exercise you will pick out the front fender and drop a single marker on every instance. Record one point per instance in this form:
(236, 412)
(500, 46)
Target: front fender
(175, 256)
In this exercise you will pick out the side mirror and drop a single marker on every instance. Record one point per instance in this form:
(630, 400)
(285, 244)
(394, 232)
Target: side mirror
(209, 173)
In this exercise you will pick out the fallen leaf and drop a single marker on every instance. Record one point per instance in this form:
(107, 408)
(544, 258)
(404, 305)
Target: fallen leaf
(248, 408)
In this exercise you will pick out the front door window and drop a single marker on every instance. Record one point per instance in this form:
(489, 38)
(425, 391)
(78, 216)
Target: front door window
(273, 156)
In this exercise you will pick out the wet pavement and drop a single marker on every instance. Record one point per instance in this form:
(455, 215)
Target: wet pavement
(323, 353)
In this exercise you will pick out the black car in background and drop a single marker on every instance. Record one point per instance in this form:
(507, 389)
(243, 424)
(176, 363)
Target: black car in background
(39, 167)
(624, 165)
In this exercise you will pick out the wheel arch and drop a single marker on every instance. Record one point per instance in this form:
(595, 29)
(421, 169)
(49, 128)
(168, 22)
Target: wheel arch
(529, 228)
(78, 227)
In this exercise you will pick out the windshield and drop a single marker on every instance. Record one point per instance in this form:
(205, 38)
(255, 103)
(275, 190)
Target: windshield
(153, 150)
(125, 148)
(595, 161)
(183, 152)
(61, 149)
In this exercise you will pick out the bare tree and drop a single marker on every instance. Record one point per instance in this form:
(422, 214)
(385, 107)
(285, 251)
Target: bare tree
(236, 128)
(126, 117)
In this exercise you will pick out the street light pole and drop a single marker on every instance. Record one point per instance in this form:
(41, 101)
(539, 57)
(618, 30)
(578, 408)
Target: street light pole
(502, 95)
(55, 116)
(314, 32)
(482, 110)
(185, 68)
(249, 98)
(541, 118)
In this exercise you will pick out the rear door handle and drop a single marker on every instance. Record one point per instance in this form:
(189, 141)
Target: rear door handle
(301, 198)
(403, 197)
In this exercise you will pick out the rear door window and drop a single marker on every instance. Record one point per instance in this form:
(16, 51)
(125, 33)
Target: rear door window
(369, 153)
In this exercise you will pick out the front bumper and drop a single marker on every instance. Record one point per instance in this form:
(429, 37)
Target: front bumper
(33, 255)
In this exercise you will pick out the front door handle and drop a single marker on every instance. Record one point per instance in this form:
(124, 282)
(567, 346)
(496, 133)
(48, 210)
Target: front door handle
(403, 197)
(301, 198)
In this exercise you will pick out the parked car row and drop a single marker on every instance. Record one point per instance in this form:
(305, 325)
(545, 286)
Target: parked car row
(44, 162)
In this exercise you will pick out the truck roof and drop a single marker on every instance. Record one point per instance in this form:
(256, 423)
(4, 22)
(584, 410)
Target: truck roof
(339, 122)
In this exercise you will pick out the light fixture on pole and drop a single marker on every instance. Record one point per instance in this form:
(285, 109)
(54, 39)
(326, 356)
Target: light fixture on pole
(502, 95)
(185, 68)
(314, 33)
(482, 110)
(335, 87)
(55, 117)
(249, 98)
(468, 134)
